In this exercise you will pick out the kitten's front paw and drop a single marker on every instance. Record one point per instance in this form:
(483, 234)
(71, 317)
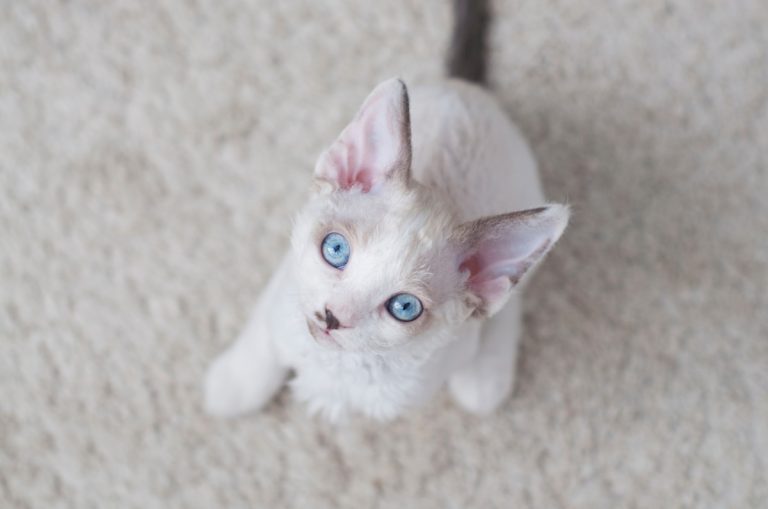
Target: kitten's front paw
(234, 385)
(480, 392)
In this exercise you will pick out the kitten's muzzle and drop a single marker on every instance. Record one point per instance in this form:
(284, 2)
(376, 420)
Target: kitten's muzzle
(331, 322)
(327, 321)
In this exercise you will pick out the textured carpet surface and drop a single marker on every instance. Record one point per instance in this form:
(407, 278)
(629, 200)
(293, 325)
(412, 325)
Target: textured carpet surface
(151, 158)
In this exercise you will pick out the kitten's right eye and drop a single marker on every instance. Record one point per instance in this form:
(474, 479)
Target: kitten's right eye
(335, 250)
(404, 307)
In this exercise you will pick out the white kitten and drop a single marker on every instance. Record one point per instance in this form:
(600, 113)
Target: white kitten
(393, 286)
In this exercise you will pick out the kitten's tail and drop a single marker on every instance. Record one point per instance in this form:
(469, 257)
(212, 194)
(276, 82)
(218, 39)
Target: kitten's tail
(466, 56)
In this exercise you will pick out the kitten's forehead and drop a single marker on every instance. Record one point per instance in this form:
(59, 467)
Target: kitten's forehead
(366, 211)
(408, 220)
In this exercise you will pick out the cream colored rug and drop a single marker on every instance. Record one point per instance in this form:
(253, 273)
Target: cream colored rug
(151, 157)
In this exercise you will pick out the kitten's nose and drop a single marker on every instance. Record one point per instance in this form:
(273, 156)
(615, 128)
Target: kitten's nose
(331, 321)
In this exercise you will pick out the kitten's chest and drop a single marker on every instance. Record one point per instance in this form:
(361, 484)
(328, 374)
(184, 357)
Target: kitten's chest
(337, 383)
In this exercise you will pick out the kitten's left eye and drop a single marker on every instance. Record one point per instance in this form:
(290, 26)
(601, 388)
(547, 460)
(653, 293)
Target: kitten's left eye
(335, 250)
(404, 307)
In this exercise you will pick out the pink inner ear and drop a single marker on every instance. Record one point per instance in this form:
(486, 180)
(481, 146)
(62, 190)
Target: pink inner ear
(373, 145)
(493, 271)
(490, 290)
(348, 171)
(487, 269)
(352, 160)
(506, 258)
(499, 250)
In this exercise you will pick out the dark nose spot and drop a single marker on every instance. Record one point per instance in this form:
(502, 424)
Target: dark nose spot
(331, 321)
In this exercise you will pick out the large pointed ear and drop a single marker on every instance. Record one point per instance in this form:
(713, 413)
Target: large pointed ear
(375, 146)
(496, 252)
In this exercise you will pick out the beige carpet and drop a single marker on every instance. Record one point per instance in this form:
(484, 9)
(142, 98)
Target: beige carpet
(150, 161)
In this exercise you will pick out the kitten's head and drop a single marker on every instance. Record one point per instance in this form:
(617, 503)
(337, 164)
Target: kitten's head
(382, 261)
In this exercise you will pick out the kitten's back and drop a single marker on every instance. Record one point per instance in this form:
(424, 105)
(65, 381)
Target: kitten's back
(466, 148)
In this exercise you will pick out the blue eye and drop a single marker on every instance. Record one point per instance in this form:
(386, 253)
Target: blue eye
(335, 250)
(404, 307)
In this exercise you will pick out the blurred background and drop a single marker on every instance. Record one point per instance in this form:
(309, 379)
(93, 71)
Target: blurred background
(152, 155)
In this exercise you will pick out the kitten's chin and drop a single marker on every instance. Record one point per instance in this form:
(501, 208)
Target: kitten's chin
(323, 337)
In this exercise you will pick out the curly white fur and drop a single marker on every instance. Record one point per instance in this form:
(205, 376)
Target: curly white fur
(411, 213)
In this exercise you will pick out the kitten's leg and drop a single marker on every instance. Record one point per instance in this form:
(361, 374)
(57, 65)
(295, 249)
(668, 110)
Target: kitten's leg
(246, 376)
(482, 385)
